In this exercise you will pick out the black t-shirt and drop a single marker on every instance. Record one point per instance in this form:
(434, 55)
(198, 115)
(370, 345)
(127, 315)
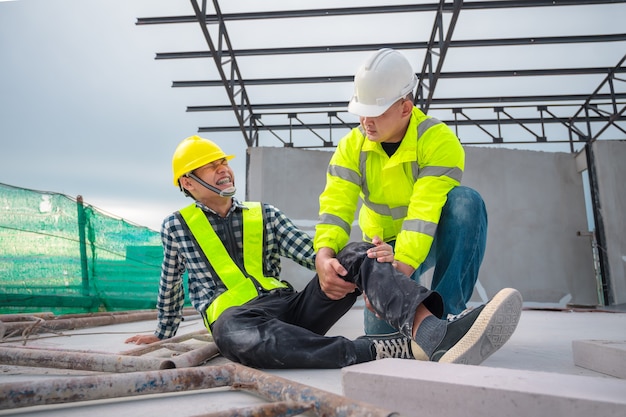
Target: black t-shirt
(390, 148)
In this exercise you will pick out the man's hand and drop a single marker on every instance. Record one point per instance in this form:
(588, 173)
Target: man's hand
(383, 252)
(330, 271)
(404, 268)
(142, 339)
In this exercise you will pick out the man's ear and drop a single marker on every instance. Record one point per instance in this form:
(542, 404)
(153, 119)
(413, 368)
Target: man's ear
(185, 183)
(407, 107)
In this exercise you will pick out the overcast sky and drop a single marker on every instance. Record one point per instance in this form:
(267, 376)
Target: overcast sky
(86, 109)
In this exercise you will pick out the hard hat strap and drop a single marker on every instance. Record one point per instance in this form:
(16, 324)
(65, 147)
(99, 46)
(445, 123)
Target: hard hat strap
(229, 192)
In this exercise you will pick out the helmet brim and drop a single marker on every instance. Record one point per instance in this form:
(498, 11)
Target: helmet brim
(366, 110)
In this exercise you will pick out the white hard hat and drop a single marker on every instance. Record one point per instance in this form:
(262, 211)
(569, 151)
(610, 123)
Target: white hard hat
(383, 79)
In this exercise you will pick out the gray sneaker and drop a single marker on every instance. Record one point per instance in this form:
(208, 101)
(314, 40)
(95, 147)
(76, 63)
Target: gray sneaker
(476, 335)
(392, 345)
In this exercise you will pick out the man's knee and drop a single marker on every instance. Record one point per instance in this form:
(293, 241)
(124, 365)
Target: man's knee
(464, 203)
(467, 194)
(352, 256)
(225, 325)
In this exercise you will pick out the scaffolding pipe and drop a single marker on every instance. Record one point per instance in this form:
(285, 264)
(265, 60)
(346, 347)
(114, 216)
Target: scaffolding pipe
(25, 317)
(98, 387)
(100, 362)
(97, 362)
(38, 325)
(157, 345)
(282, 409)
(192, 358)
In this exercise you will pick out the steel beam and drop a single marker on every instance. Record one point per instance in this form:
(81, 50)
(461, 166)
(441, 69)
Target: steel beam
(437, 49)
(439, 102)
(348, 11)
(437, 46)
(224, 56)
(328, 79)
(323, 49)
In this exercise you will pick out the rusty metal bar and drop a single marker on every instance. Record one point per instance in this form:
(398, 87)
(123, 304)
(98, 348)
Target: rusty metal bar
(281, 408)
(157, 345)
(192, 358)
(100, 362)
(274, 388)
(69, 390)
(39, 325)
(57, 349)
(268, 386)
(25, 317)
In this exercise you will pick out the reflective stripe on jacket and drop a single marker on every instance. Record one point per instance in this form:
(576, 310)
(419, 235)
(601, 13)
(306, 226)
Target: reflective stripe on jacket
(241, 285)
(402, 196)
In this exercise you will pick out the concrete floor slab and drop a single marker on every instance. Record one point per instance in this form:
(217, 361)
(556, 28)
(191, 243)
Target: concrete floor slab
(542, 342)
(605, 356)
(450, 390)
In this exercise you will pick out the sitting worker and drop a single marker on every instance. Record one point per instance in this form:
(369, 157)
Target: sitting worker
(231, 251)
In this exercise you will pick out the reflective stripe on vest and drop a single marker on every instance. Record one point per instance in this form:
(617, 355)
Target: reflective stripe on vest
(240, 286)
(401, 212)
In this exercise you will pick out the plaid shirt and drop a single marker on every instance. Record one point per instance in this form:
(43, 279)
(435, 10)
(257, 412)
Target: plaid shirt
(282, 238)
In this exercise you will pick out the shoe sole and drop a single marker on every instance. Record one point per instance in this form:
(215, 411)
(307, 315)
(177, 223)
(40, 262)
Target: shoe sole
(492, 329)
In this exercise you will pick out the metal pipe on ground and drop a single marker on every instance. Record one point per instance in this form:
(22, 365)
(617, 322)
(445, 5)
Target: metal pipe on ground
(39, 325)
(80, 361)
(99, 362)
(157, 345)
(274, 388)
(282, 409)
(98, 387)
(192, 358)
(26, 317)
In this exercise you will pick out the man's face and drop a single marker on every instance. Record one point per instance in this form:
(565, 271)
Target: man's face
(217, 173)
(389, 126)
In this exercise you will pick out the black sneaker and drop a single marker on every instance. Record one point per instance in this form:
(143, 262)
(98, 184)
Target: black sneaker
(454, 317)
(392, 345)
(476, 335)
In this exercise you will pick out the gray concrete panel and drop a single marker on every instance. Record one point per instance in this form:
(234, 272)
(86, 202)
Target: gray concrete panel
(536, 207)
(416, 388)
(535, 203)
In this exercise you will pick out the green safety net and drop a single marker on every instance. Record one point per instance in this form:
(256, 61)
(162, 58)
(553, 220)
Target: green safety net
(61, 255)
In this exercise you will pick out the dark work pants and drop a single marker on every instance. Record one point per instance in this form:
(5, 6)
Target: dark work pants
(285, 329)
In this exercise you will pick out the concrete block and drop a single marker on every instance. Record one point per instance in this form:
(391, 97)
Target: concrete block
(604, 356)
(415, 388)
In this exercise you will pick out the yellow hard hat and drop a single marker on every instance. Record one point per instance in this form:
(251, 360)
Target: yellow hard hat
(194, 152)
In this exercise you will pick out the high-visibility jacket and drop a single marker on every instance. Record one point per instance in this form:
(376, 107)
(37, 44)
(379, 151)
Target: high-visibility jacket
(402, 195)
(241, 285)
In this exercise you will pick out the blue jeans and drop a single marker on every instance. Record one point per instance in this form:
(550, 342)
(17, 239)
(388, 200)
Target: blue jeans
(456, 254)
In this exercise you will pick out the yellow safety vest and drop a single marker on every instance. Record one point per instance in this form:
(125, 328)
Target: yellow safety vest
(241, 286)
(402, 195)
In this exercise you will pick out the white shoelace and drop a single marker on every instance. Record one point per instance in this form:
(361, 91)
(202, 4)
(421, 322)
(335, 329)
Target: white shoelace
(453, 317)
(392, 348)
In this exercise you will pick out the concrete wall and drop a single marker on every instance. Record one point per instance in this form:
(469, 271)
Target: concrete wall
(536, 207)
(610, 157)
(535, 203)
